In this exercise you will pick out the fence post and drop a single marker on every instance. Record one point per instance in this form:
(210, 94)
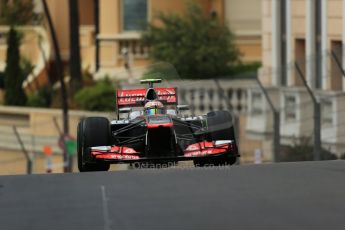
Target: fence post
(25, 152)
(276, 124)
(317, 116)
(59, 69)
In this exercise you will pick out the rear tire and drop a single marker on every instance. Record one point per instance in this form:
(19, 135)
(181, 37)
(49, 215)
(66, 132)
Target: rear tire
(92, 131)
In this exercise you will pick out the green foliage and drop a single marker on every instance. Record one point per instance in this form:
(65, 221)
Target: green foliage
(100, 97)
(198, 45)
(246, 68)
(302, 150)
(26, 66)
(18, 12)
(14, 76)
(161, 71)
(41, 98)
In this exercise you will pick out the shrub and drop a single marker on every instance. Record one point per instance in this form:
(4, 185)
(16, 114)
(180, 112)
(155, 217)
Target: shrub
(246, 68)
(41, 98)
(100, 97)
(302, 150)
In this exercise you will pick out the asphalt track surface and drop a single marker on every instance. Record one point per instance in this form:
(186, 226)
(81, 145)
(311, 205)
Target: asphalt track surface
(273, 196)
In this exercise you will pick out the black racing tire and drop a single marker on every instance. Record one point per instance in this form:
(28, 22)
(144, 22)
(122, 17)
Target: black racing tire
(210, 162)
(92, 131)
(220, 127)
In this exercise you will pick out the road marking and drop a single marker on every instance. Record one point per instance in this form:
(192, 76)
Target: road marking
(106, 218)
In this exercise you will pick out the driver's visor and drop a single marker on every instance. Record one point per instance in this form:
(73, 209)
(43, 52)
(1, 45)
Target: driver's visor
(154, 111)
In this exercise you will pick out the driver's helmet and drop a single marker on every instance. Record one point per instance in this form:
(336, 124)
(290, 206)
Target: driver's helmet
(154, 107)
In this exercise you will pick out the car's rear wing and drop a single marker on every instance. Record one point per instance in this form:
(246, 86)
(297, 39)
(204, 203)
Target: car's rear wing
(136, 97)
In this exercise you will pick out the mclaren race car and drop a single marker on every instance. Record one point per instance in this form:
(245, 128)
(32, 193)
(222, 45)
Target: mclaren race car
(156, 132)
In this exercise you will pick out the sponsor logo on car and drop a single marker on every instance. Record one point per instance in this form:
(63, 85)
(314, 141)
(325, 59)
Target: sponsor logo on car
(134, 96)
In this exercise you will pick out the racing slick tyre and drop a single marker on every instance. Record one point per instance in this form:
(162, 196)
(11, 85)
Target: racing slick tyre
(221, 161)
(220, 127)
(92, 131)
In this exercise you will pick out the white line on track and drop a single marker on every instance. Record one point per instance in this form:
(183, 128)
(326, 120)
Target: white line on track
(106, 218)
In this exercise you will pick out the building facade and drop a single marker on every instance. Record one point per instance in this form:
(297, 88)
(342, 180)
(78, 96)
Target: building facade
(36, 43)
(301, 38)
(110, 27)
(244, 19)
(120, 28)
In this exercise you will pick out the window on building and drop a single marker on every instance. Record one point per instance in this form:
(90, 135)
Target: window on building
(290, 108)
(134, 15)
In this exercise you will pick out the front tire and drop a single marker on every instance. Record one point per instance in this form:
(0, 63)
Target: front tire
(220, 127)
(221, 161)
(92, 131)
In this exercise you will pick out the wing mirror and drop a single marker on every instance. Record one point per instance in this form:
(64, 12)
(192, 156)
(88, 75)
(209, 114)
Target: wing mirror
(182, 107)
(125, 110)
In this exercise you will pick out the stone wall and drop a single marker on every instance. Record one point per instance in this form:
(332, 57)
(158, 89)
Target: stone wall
(37, 127)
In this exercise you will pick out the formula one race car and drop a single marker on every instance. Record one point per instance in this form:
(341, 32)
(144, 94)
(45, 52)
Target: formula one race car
(155, 132)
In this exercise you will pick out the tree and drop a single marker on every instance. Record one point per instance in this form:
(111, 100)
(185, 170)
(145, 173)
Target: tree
(99, 97)
(17, 12)
(198, 45)
(14, 76)
(74, 61)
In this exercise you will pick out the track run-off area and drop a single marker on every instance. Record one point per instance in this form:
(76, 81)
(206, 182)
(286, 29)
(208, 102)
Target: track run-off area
(308, 195)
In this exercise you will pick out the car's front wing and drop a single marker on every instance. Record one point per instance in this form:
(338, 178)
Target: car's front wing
(118, 154)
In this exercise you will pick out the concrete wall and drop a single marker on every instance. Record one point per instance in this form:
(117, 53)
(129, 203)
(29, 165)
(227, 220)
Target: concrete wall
(36, 126)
